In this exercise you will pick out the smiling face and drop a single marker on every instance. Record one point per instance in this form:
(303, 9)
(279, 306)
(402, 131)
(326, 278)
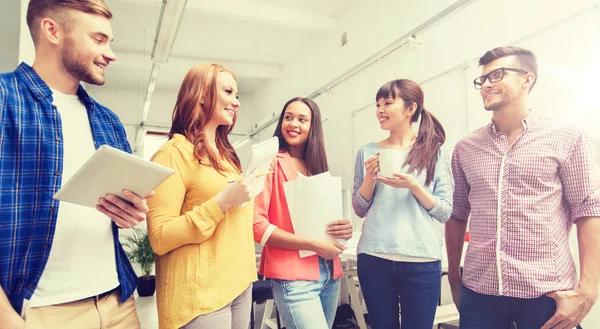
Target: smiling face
(227, 103)
(85, 50)
(498, 95)
(296, 123)
(393, 113)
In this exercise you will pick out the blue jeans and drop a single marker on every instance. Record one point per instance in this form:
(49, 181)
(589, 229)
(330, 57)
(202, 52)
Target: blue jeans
(391, 288)
(497, 312)
(308, 304)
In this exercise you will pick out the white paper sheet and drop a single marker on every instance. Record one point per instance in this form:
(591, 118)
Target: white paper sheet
(313, 202)
(259, 159)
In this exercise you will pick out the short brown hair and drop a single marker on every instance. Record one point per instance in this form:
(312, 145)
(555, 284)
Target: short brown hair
(525, 57)
(58, 11)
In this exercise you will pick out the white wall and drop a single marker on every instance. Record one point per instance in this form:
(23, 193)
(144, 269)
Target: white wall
(26, 48)
(16, 45)
(445, 64)
(563, 34)
(450, 46)
(10, 16)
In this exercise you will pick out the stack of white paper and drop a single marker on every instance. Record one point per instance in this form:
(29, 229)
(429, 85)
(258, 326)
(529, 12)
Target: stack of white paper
(259, 160)
(313, 202)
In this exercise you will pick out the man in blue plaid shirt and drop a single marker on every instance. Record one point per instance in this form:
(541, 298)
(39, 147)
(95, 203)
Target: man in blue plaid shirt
(61, 265)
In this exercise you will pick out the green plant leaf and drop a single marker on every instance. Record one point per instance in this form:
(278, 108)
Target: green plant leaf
(139, 250)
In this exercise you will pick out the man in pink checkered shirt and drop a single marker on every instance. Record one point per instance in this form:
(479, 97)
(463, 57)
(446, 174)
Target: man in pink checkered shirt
(522, 181)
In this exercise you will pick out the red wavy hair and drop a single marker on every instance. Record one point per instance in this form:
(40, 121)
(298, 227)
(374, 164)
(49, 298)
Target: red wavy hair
(195, 107)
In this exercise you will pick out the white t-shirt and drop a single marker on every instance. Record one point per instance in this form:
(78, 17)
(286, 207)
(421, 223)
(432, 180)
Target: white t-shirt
(82, 261)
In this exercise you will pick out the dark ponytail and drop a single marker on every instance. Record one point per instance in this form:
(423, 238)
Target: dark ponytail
(431, 136)
(424, 154)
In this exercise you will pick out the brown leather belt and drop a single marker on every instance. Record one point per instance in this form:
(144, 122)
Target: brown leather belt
(105, 294)
(102, 295)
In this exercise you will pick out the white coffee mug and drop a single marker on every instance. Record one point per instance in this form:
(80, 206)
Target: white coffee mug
(390, 162)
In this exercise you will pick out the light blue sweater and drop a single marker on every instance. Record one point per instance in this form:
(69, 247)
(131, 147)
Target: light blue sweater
(395, 222)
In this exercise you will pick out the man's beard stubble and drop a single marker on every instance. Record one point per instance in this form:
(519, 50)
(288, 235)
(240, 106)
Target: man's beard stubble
(504, 100)
(78, 66)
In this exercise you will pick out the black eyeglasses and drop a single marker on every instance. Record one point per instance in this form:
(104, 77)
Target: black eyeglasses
(495, 76)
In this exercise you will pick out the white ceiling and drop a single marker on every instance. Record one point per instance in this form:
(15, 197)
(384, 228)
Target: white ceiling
(255, 38)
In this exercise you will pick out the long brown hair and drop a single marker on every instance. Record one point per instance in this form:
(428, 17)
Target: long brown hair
(195, 107)
(431, 136)
(314, 150)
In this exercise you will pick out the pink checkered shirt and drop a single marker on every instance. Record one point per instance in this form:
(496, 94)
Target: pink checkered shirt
(523, 201)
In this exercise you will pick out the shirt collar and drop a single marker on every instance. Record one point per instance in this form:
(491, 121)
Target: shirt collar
(287, 166)
(40, 88)
(528, 122)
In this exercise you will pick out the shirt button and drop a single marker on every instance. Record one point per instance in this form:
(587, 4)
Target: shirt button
(57, 172)
(52, 209)
(58, 138)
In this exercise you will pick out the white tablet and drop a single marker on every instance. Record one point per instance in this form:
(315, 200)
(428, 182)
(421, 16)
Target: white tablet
(110, 170)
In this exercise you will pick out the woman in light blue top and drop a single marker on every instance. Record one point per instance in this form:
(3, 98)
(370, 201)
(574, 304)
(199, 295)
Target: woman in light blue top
(400, 248)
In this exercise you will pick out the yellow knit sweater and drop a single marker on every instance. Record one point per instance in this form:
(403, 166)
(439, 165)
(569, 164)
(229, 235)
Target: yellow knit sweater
(205, 258)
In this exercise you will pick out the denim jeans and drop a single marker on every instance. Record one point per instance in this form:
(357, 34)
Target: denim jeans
(496, 312)
(308, 304)
(390, 288)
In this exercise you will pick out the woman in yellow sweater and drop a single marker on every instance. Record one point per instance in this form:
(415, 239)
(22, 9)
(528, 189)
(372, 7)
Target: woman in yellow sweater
(199, 225)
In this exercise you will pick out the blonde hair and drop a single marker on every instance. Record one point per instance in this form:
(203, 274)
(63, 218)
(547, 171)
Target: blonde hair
(58, 11)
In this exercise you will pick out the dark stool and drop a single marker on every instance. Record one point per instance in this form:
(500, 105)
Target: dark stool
(261, 291)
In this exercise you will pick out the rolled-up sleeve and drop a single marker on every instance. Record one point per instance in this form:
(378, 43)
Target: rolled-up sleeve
(580, 177)
(360, 205)
(461, 209)
(261, 226)
(443, 189)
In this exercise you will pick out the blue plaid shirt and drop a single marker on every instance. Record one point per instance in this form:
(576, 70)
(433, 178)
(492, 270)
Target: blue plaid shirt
(31, 164)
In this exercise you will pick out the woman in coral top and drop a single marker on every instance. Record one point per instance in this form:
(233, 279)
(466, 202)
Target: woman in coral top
(198, 224)
(306, 290)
